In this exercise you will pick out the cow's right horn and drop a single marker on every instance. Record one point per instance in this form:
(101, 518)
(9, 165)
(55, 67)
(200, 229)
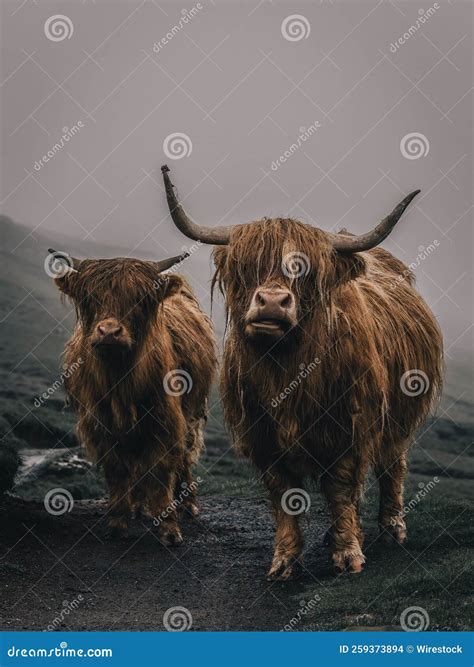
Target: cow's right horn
(212, 235)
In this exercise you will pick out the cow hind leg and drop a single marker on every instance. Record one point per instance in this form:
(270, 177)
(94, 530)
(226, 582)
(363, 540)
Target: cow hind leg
(342, 488)
(288, 552)
(391, 476)
(119, 508)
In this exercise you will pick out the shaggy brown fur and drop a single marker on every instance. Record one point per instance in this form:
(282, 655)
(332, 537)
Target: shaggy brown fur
(361, 326)
(145, 437)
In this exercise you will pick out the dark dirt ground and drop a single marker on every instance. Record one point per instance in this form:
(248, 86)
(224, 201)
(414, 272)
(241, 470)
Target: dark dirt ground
(218, 574)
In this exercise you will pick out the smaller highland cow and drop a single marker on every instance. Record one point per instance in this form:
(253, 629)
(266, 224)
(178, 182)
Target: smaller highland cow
(141, 387)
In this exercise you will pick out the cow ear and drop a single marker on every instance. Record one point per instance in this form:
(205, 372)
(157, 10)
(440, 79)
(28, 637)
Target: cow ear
(349, 267)
(168, 284)
(63, 269)
(66, 283)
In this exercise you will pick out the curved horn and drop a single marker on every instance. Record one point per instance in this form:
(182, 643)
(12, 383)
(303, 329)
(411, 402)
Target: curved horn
(377, 235)
(164, 264)
(212, 235)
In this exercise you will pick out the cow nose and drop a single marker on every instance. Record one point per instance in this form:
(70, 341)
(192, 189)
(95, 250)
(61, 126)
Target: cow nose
(109, 328)
(274, 299)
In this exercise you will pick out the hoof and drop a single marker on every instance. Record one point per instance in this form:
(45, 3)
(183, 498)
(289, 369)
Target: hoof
(347, 562)
(285, 568)
(191, 509)
(393, 532)
(170, 536)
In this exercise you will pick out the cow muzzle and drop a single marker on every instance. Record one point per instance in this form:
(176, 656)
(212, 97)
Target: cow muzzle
(110, 334)
(271, 314)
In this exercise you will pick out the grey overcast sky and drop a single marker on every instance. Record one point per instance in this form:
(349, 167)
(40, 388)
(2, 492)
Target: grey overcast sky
(381, 91)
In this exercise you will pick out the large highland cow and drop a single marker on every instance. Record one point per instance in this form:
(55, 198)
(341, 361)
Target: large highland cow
(143, 356)
(327, 339)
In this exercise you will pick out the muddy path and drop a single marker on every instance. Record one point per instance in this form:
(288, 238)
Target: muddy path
(59, 572)
(51, 563)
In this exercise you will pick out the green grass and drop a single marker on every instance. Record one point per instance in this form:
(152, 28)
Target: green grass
(433, 570)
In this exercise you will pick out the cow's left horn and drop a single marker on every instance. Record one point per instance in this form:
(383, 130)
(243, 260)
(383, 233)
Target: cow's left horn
(66, 258)
(212, 235)
(164, 264)
(371, 239)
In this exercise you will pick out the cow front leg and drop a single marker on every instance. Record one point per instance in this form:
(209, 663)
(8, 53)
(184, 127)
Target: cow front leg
(287, 557)
(342, 489)
(391, 477)
(163, 506)
(185, 492)
(118, 485)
